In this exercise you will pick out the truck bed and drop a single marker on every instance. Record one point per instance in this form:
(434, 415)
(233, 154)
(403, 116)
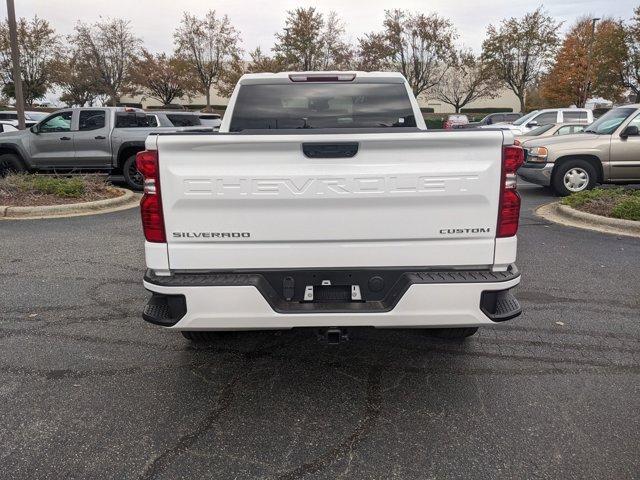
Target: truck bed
(321, 200)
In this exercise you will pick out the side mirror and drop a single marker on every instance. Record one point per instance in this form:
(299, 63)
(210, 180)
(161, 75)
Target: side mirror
(34, 129)
(532, 124)
(630, 131)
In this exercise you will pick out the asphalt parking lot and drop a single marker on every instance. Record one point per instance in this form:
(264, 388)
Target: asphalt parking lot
(89, 390)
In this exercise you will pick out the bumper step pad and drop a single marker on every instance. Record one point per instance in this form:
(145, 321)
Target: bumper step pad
(500, 305)
(165, 310)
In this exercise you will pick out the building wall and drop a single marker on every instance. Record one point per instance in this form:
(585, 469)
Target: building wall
(506, 100)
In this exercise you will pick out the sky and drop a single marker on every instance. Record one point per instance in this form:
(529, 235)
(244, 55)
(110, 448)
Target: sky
(155, 20)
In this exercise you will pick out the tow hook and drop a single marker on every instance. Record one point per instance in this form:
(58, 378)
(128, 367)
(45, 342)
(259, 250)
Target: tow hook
(333, 336)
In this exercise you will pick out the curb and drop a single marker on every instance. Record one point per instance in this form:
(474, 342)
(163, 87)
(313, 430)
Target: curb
(128, 199)
(565, 215)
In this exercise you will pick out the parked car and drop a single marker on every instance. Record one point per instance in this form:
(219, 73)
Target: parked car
(538, 118)
(30, 117)
(210, 120)
(552, 129)
(172, 118)
(7, 126)
(608, 151)
(99, 139)
(455, 121)
(322, 213)
(493, 118)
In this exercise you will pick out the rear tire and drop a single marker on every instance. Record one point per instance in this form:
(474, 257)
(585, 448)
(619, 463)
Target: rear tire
(452, 333)
(197, 336)
(10, 163)
(573, 176)
(132, 176)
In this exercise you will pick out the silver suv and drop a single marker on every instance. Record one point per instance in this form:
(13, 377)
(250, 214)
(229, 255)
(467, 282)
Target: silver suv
(537, 118)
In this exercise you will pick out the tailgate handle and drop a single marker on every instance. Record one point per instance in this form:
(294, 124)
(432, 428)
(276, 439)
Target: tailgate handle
(330, 150)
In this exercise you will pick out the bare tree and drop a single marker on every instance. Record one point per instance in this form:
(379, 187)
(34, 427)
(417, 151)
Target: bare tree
(163, 78)
(630, 72)
(109, 48)
(520, 49)
(466, 81)
(311, 42)
(210, 45)
(39, 48)
(336, 54)
(417, 45)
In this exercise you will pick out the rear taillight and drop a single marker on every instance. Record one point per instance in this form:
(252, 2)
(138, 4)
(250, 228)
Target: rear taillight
(151, 203)
(509, 207)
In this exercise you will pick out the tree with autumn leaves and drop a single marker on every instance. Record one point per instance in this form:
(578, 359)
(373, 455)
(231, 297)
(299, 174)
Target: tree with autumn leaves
(587, 64)
(102, 61)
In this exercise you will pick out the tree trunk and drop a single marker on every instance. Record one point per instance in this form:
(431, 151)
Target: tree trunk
(521, 97)
(637, 96)
(208, 95)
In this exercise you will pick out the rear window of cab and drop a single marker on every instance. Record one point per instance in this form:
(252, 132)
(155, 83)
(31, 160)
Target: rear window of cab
(322, 105)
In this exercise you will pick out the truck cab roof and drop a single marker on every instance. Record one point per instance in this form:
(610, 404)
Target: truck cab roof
(354, 76)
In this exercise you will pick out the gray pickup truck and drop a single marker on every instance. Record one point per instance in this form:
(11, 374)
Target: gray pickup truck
(83, 139)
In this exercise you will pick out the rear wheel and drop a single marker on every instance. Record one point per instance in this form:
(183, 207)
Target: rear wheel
(197, 336)
(132, 176)
(453, 333)
(573, 176)
(9, 163)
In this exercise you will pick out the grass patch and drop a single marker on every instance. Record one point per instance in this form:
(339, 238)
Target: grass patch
(629, 208)
(71, 187)
(621, 203)
(22, 189)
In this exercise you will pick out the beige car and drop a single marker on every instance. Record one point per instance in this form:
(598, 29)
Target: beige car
(552, 129)
(607, 151)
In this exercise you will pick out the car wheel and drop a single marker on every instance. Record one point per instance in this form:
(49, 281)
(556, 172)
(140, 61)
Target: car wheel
(452, 333)
(198, 336)
(573, 176)
(10, 163)
(132, 176)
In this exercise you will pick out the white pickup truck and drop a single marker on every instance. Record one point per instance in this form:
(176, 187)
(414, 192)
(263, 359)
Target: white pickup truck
(323, 202)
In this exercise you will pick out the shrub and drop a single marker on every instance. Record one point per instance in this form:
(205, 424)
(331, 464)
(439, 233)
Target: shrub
(610, 202)
(60, 186)
(628, 208)
(433, 123)
(579, 199)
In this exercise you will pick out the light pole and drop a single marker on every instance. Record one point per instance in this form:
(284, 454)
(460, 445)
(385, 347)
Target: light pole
(587, 81)
(15, 59)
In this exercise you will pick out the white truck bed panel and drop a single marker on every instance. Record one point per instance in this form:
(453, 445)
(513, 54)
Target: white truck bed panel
(256, 201)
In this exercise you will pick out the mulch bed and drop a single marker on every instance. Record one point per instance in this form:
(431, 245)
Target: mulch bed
(601, 206)
(14, 195)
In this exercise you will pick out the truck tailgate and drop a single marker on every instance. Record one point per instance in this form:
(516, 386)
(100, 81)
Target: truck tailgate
(418, 199)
